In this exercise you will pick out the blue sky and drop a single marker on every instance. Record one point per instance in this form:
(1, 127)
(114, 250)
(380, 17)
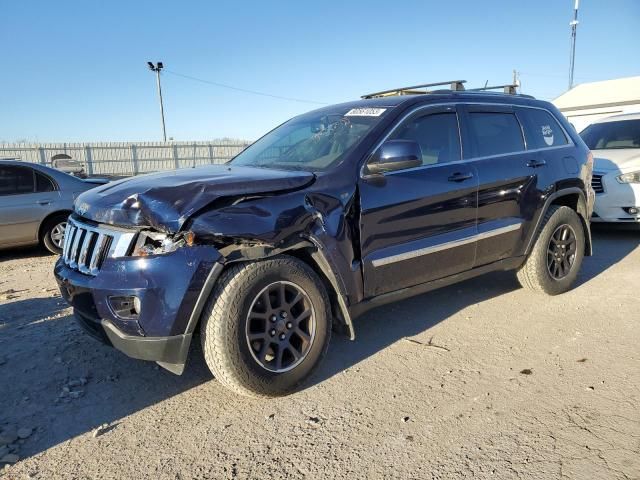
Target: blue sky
(76, 70)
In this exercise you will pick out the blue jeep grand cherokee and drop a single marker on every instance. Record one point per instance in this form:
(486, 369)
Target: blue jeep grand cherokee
(334, 212)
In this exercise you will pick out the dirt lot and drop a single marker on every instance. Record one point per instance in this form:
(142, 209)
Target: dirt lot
(482, 379)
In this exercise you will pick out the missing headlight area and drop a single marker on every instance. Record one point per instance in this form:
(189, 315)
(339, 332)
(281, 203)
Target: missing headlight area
(156, 243)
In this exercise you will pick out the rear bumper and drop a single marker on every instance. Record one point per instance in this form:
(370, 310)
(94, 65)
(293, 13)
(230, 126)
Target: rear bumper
(171, 288)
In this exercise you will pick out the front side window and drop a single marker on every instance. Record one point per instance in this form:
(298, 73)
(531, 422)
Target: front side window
(437, 134)
(315, 141)
(495, 133)
(620, 134)
(541, 129)
(15, 180)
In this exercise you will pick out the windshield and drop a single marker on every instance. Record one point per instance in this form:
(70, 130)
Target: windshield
(622, 134)
(315, 141)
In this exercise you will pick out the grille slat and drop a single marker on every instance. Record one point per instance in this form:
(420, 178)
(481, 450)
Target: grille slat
(97, 249)
(73, 257)
(68, 236)
(596, 183)
(86, 247)
(84, 251)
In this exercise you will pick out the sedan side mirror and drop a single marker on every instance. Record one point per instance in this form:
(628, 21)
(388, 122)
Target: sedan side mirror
(395, 155)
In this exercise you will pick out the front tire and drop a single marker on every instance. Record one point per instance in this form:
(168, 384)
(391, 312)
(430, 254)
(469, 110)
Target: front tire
(554, 262)
(266, 326)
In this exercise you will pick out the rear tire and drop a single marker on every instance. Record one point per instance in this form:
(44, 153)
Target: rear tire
(266, 326)
(554, 262)
(52, 236)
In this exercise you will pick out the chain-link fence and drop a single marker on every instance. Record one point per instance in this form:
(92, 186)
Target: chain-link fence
(126, 159)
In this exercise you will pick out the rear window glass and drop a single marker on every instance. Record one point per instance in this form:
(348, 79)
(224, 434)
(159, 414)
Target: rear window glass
(621, 134)
(15, 180)
(541, 129)
(43, 183)
(495, 133)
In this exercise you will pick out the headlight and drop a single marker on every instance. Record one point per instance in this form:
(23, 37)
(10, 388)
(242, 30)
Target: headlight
(631, 177)
(155, 243)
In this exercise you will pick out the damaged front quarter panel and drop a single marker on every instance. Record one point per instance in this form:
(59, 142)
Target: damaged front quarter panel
(316, 225)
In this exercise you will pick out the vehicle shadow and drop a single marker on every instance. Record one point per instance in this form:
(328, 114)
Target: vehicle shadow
(379, 328)
(45, 357)
(17, 253)
(62, 383)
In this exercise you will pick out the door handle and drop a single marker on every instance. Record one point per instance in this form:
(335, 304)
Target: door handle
(460, 177)
(536, 163)
(44, 202)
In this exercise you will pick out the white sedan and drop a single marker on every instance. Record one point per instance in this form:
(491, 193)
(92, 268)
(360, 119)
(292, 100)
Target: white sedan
(615, 143)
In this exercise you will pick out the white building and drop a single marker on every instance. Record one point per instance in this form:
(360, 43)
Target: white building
(588, 102)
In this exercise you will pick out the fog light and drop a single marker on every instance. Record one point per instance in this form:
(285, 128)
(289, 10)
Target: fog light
(126, 307)
(632, 210)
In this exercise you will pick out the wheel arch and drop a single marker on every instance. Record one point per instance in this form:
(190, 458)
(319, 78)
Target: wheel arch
(312, 257)
(573, 198)
(46, 219)
(320, 264)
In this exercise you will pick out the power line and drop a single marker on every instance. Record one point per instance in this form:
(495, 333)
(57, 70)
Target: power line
(238, 89)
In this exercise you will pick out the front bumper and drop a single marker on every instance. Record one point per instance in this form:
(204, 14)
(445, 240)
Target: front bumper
(172, 289)
(610, 204)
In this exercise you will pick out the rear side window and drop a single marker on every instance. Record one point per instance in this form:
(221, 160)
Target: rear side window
(541, 129)
(43, 183)
(437, 134)
(15, 180)
(495, 133)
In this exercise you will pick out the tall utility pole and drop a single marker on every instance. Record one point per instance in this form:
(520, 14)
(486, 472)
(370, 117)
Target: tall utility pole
(574, 28)
(156, 68)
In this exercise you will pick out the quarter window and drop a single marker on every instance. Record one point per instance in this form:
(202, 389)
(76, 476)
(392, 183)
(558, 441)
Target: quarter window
(15, 180)
(495, 133)
(43, 183)
(437, 134)
(541, 129)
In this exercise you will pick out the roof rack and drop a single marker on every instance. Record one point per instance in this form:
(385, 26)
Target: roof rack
(456, 85)
(509, 89)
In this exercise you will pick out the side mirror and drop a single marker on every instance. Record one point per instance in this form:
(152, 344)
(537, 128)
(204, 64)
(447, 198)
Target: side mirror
(395, 155)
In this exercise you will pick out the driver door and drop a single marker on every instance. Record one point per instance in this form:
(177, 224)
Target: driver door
(420, 224)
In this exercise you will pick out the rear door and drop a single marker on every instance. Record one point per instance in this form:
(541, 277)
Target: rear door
(419, 224)
(509, 189)
(26, 197)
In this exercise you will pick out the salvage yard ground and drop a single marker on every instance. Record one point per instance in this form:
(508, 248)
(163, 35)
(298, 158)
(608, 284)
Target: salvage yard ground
(481, 379)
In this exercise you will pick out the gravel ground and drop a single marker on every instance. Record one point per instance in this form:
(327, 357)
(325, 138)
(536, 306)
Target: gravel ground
(481, 379)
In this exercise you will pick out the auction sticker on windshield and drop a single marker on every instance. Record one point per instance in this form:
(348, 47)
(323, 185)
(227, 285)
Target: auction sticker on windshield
(365, 112)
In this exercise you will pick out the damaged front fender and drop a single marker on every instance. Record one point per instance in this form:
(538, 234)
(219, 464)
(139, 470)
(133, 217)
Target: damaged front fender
(318, 224)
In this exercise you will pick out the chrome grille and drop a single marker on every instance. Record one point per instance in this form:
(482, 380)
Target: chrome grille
(86, 247)
(596, 183)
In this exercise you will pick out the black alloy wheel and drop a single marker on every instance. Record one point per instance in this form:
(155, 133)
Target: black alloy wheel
(561, 252)
(281, 326)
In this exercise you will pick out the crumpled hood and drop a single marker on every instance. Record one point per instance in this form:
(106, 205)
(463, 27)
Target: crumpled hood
(165, 200)
(616, 159)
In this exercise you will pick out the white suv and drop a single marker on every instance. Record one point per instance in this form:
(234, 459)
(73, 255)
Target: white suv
(615, 143)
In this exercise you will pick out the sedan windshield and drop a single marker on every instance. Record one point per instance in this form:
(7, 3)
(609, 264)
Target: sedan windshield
(315, 141)
(620, 134)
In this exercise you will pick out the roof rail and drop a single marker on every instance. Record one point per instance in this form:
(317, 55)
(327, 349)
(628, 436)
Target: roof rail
(510, 89)
(456, 85)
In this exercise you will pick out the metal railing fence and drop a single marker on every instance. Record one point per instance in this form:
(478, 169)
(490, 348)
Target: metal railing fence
(127, 159)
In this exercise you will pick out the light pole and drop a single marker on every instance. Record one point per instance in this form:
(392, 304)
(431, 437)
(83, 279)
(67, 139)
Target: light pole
(574, 28)
(156, 68)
